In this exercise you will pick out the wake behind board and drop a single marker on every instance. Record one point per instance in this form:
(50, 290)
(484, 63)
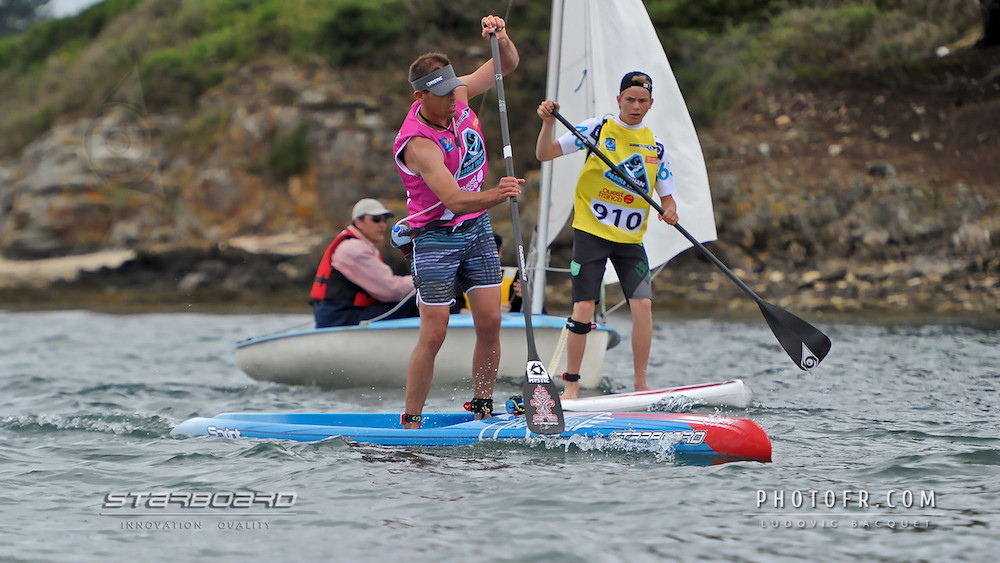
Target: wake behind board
(681, 434)
(734, 393)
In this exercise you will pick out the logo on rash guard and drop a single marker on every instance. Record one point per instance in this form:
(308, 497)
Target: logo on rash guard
(447, 144)
(636, 170)
(473, 184)
(475, 153)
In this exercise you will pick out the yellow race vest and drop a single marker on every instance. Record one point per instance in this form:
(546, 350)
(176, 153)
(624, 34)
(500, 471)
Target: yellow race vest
(604, 206)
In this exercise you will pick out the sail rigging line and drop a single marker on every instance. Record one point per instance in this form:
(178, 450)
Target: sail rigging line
(390, 311)
(292, 328)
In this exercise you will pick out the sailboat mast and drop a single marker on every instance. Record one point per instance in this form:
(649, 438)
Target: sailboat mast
(541, 238)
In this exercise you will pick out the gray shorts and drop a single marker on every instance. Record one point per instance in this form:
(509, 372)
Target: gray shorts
(590, 256)
(445, 258)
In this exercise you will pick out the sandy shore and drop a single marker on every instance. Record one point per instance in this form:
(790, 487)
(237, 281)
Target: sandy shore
(39, 273)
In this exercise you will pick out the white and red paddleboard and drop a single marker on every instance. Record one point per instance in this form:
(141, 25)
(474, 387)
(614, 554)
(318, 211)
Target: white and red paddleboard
(735, 394)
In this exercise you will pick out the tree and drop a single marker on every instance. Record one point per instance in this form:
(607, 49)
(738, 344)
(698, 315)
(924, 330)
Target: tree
(18, 15)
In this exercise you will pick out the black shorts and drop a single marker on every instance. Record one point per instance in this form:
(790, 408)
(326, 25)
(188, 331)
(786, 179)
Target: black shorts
(590, 256)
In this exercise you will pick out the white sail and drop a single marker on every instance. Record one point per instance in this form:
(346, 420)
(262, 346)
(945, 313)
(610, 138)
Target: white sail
(593, 44)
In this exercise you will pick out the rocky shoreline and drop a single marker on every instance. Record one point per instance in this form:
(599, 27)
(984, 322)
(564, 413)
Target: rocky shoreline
(235, 280)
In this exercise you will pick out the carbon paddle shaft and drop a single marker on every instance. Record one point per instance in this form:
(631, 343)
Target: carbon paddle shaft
(542, 407)
(804, 343)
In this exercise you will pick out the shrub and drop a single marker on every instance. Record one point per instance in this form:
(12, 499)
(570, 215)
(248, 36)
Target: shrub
(289, 154)
(357, 29)
(177, 76)
(710, 15)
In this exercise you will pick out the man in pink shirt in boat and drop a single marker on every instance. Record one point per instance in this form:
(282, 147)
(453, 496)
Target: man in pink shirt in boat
(352, 282)
(441, 156)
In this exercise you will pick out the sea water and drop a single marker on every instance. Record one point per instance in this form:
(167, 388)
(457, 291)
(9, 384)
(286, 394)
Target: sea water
(888, 451)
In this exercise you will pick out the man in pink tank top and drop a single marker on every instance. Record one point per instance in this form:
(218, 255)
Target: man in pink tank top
(441, 157)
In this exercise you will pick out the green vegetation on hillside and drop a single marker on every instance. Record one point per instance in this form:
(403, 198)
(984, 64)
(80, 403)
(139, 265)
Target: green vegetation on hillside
(61, 37)
(182, 48)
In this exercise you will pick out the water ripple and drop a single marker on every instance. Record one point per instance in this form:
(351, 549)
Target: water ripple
(88, 401)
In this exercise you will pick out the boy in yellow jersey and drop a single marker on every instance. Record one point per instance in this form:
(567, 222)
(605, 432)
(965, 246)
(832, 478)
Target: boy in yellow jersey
(609, 219)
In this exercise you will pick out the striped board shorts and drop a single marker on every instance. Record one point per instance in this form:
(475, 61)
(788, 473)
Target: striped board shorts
(465, 255)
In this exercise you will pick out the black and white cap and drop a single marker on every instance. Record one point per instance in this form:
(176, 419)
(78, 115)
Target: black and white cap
(439, 82)
(640, 79)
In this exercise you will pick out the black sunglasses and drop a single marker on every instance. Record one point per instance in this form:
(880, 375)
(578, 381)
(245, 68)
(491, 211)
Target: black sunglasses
(377, 218)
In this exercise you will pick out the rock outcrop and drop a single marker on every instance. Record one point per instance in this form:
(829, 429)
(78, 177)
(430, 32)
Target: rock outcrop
(871, 199)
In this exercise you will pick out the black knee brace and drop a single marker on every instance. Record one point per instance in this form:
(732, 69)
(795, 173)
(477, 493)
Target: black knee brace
(576, 327)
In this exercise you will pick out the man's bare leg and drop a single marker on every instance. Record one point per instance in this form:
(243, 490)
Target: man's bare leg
(485, 305)
(420, 371)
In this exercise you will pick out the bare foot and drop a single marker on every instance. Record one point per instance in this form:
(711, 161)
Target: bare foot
(572, 390)
(640, 383)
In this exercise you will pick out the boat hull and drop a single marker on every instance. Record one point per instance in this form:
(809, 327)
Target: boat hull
(680, 434)
(377, 354)
(733, 393)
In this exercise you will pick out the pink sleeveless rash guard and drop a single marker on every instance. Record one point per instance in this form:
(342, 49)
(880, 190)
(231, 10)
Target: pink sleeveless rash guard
(464, 155)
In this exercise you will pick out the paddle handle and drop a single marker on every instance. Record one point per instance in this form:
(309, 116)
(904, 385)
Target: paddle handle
(659, 208)
(508, 159)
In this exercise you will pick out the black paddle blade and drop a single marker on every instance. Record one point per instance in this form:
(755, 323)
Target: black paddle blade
(542, 407)
(803, 342)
